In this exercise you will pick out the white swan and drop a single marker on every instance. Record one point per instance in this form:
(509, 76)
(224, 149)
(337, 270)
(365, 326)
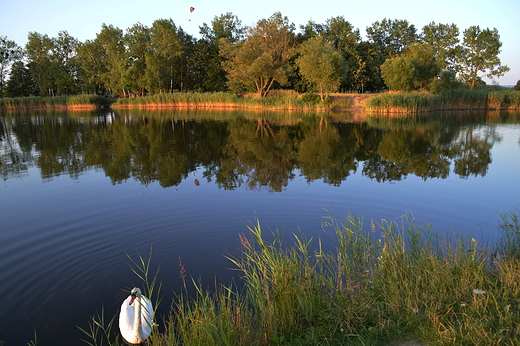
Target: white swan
(136, 318)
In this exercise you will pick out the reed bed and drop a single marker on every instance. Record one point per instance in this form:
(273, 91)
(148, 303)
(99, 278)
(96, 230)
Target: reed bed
(57, 102)
(279, 100)
(393, 282)
(504, 100)
(460, 99)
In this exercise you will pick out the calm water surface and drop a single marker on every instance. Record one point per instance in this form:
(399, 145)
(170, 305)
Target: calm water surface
(82, 191)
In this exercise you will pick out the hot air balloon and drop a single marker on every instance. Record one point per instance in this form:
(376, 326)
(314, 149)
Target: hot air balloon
(192, 9)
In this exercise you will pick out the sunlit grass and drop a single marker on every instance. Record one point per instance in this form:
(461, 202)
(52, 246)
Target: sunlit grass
(62, 102)
(277, 100)
(384, 282)
(461, 99)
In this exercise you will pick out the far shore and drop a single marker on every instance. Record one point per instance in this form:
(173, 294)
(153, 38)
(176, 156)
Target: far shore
(287, 100)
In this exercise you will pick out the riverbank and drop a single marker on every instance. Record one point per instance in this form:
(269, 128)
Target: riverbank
(460, 99)
(288, 100)
(56, 102)
(408, 287)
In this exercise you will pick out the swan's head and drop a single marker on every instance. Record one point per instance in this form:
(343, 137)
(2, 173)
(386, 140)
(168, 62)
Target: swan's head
(136, 292)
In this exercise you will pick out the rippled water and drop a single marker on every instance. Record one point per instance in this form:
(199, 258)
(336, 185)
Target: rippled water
(83, 191)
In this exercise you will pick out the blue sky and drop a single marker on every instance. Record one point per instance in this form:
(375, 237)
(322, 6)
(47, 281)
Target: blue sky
(83, 19)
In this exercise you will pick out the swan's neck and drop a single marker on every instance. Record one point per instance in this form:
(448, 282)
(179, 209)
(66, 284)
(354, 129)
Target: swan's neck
(138, 328)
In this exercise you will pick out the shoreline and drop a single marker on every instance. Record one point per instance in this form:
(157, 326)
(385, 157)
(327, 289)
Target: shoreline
(380, 104)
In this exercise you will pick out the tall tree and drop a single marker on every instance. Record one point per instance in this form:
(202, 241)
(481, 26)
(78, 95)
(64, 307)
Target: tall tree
(10, 52)
(479, 55)
(165, 46)
(424, 62)
(112, 53)
(399, 73)
(341, 34)
(206, 61)
(65, 62)
(443, 38)
(309, 30)
(38, 50)
(225, 26)
(91, 58)
(20, 82)
(263, 57)
(364, 70)
(322, 65)
(137, 41)
(390, 37)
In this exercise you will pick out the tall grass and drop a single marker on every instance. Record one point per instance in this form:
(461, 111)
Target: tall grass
(393, 282)
(459, 99)
(65, 102)
(509, 99)
(278, 100)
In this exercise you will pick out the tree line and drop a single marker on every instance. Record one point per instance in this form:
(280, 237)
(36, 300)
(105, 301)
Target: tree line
(269, 55)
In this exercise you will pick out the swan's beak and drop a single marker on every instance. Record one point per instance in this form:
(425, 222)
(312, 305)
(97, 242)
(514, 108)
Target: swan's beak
(131, 299)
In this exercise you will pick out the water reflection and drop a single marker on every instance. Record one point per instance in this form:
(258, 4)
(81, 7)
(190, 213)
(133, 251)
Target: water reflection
(237, 149)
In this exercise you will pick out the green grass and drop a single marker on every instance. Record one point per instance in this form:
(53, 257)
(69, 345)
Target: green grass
(16, 103)
(460, 99)
(408, 284)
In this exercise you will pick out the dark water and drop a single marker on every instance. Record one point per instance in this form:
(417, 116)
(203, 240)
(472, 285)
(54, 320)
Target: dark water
(82, 190)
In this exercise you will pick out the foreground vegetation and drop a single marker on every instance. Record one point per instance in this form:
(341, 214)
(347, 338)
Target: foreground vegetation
(409, 284)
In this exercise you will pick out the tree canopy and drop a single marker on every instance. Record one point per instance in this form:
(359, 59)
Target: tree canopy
(257, 58)
(263, 58)
(479, 55)
(322, 65)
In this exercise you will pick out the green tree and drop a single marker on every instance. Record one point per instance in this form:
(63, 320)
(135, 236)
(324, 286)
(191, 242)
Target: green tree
(517, 86)
(137, 41)
(399, 73)
(341, 34)
(38, 51)
(183, 78)
(20, 82)
(322, 65)
(206, 61)
(390, 37)
(425, 64)
(165, 46)
(309, 30)
(262, 58)
(364, 69)
(91, 58)
(65, 63)
(443, 38)
(225, 26)
(478, 55)
(9, 54)
(111, 53)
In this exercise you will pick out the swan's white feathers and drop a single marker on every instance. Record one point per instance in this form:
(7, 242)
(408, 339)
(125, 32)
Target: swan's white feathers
(133, 330)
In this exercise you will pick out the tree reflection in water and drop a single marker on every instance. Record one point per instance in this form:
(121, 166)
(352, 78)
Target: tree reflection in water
(258, 151)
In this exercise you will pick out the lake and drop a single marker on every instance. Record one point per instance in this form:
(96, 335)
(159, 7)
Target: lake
(85, 192)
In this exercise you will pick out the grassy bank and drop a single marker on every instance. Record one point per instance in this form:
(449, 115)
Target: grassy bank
(461, 99)
(57, 102)
(406, 285)
(278, 100)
